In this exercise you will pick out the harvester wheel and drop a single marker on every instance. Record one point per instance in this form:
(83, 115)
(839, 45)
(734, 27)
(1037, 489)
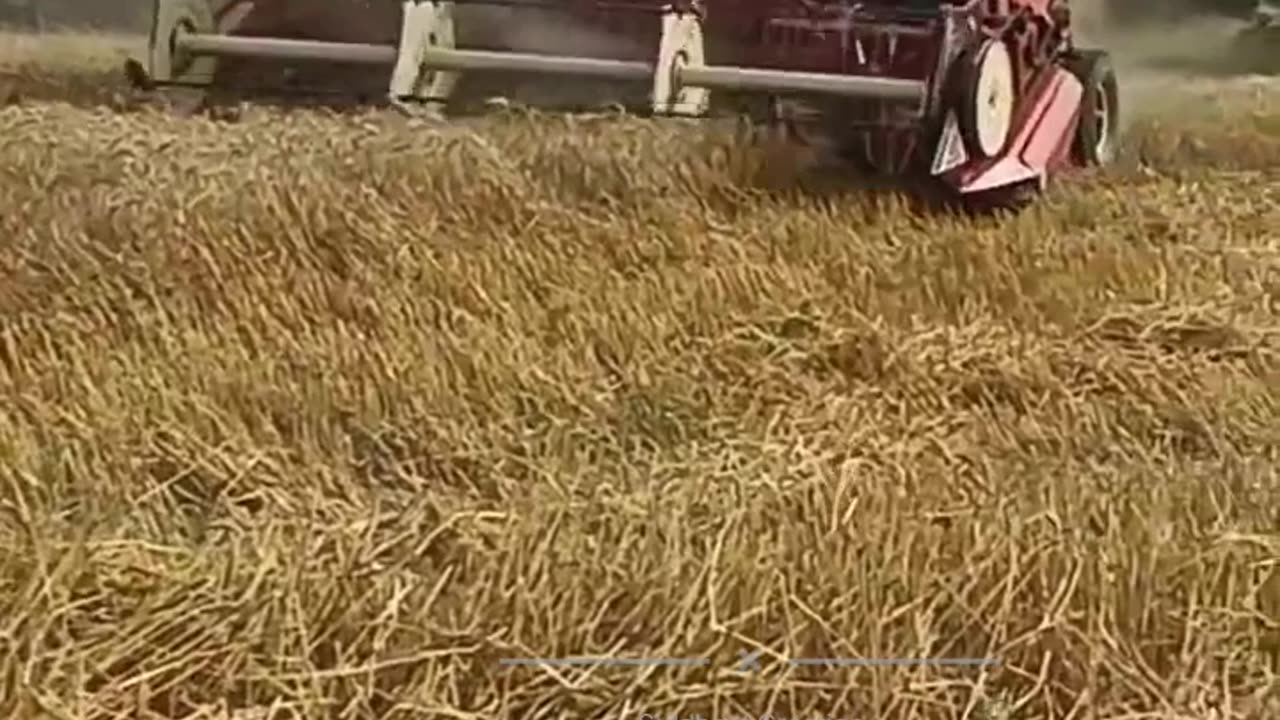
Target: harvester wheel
(1099, 107)
(984, 98)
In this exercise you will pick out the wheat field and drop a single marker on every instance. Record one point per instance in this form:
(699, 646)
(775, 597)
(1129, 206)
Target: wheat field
(322, 416)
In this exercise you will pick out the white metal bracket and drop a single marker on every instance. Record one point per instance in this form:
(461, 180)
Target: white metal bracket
(426, 25)
(681, 47)
(951, 153)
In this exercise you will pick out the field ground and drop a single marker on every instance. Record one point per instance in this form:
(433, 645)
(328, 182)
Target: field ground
(324, 416)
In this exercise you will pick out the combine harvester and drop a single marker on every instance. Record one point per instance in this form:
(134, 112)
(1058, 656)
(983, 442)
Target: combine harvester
(989, 98)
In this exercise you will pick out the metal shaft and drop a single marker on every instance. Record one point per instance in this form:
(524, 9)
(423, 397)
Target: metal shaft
(713, 77)
(455, 60)
(782, 81)
(281, 49)
(462, 60)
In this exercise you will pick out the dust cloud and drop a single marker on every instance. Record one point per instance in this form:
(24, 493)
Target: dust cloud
(1168, 65)
(535, 30)
(120, 15)
(544, 32)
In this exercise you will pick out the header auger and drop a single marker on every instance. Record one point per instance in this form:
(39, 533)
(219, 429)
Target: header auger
(990, 97)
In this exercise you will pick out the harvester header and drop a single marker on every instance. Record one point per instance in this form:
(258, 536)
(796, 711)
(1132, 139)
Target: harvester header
(981, 94)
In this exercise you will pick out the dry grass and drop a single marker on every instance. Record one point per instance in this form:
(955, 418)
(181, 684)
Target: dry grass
(63, 66)
(326, 415)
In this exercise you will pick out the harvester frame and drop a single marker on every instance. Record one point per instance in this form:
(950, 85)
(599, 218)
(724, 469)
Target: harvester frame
(989, 97)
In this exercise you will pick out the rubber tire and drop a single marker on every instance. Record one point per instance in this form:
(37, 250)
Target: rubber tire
(964, 86)
(1094, 69)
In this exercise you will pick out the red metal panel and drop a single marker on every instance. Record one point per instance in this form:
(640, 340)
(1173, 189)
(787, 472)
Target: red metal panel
(1047, 121)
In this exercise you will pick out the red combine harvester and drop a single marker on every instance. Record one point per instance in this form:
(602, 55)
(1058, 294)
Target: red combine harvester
(990, 97)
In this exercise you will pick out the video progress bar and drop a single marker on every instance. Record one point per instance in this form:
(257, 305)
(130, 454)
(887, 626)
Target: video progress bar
(633, 662)
(896, 662)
